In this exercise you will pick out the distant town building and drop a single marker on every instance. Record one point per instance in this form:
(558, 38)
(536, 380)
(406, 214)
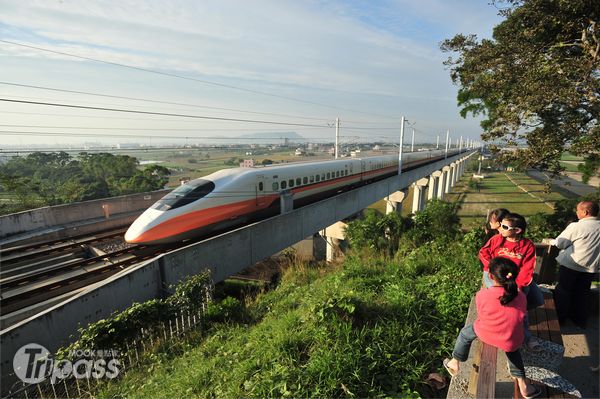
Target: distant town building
(247, 163)
(299, 152)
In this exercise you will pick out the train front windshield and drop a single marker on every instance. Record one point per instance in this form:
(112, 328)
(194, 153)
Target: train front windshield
(184, 194)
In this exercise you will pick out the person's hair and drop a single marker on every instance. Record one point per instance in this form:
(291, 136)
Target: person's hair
(498, 214)
(517, 221)
(591, 207)
(505, 272)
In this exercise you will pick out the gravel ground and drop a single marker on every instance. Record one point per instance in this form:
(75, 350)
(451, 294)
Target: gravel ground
(113, 245)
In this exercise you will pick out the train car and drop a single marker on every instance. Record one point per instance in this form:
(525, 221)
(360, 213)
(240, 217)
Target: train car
(232, 197)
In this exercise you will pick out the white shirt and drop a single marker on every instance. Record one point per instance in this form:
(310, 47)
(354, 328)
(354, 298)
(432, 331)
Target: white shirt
(580, 245)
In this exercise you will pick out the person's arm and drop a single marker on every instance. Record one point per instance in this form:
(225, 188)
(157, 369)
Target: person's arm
(564, 240)
(486, 253)
(525, 276)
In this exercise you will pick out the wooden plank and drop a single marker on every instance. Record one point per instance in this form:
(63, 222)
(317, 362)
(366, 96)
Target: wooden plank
(532, 322)
(486, 383)
(542, 324)
(472, 388)
(553, 324)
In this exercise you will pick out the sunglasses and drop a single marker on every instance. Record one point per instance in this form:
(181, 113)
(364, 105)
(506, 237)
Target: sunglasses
(505, 227)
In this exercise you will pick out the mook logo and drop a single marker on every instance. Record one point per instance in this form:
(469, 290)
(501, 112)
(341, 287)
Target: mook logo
(33, 364)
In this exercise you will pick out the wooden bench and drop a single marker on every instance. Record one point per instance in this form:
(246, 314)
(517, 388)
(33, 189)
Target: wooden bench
(543, 323)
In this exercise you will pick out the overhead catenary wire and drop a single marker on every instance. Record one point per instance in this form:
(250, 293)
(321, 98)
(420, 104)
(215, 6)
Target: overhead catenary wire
(159, 113)
(173, 75)
(160, 101)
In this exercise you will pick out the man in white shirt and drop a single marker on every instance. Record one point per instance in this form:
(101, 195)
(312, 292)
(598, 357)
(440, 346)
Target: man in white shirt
(578, 259)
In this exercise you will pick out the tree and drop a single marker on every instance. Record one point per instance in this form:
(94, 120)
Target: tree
(536, 81)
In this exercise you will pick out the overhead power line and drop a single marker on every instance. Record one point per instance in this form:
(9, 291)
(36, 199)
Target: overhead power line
(158, 101)
(159, 113)
(193, 79)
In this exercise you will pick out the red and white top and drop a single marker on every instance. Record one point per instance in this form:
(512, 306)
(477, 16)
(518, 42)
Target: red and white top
(498, 325)
(521, 252)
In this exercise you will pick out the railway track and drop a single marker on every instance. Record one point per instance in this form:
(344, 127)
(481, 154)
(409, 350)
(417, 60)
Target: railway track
(31, 276)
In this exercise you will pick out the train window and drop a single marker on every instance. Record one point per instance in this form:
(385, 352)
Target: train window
(291, 182)
(328, 175)
(283, 184)
(275, 186)
(337, 173)
(185, 194)
(298, 181)
(318, 177)
(312, 179)
(322, 176)
(305, 180)
(346, 172)
(260, 186)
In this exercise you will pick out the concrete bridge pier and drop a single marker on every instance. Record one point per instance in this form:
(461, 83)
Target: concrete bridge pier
(394, 201)
(457, 172)
(335, 239)
(419, 189)
(444, 187)
(434, 183)
(453, 174)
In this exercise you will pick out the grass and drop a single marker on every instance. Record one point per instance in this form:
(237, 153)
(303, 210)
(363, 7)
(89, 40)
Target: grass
(567, 156)
(498, 191)
(368, 327)
(569, 167)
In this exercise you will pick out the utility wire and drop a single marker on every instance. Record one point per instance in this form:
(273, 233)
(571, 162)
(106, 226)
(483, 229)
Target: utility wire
(159, 113)
(193, 79)
(139, 119)
(159, 102)
(30, 133)
(130, 128)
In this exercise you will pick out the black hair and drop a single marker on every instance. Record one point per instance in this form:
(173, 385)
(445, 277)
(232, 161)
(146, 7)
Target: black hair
(517, 221)
(505, 272)
(498, 214)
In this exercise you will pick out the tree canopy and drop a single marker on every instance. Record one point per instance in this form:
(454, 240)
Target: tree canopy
(536, 81)
(41, 179)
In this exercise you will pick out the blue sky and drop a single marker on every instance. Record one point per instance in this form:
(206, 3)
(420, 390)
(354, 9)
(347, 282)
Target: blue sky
(366, 62)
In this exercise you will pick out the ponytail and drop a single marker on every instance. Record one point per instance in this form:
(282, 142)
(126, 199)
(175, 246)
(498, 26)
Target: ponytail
(505, 272)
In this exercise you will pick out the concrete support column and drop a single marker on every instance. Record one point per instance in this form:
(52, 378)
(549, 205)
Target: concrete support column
(442, 183)
(286, 201)
(334, 237)
(333, 248)
(451, 174)
(419, 188)
(456, 172)
(394, 202)
(434, 182)
(447, 179)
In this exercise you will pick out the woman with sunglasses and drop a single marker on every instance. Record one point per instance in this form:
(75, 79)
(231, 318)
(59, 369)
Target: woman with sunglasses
(512, 244)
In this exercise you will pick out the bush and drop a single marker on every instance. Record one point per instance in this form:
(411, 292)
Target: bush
(377, 232)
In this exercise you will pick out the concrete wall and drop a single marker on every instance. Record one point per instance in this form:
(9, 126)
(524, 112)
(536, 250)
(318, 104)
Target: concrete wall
(64, 215)
(224, 255)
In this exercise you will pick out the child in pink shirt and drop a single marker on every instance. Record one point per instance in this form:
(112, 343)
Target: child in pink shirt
(501, 310)
(512, 244)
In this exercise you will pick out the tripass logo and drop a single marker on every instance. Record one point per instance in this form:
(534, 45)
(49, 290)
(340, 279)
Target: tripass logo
(33, 364)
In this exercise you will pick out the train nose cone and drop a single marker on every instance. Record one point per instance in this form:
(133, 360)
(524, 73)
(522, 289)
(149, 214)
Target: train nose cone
(138, 231)
(132, 236)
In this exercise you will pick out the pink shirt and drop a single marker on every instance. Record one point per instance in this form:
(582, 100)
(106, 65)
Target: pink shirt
(498, 325)
(521, 252)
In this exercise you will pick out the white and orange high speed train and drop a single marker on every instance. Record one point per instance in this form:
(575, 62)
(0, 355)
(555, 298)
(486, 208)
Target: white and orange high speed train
(232, 197)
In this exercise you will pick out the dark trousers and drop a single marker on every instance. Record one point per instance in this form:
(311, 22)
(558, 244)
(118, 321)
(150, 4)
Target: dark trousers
(571, 295)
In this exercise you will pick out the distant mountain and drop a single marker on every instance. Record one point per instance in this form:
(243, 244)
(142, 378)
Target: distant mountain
(274, 135)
